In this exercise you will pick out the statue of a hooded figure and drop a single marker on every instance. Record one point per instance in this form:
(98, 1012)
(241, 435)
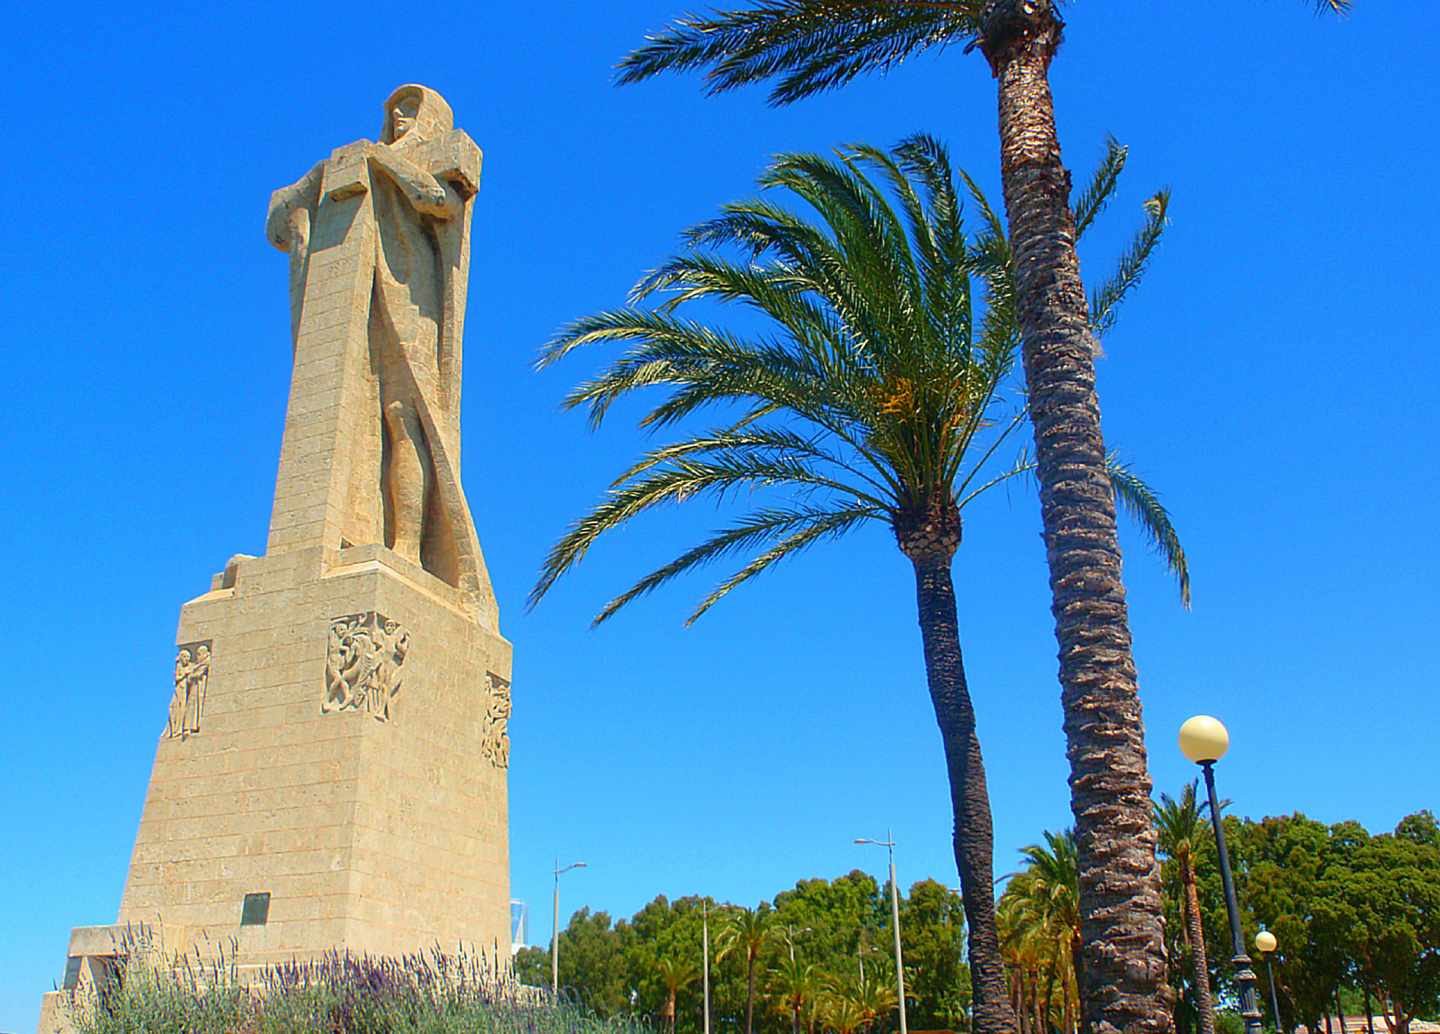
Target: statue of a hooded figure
(412, 193)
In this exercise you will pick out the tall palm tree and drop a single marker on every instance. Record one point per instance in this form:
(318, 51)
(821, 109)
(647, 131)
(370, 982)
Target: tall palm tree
(1181, 826)
(746, 931)
(675, 974)
(881, 397)
(814, 45)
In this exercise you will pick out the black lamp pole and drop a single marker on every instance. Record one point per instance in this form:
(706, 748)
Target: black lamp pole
(1274, 1001)
(1244, 975)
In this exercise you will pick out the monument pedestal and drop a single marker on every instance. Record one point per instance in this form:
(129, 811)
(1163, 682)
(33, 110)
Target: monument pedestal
(374, 824)
(347, 785)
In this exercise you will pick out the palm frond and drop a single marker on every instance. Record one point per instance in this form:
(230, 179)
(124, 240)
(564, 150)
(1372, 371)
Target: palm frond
(1022, 465)
(807, 45)
(1140, 501)
(753, 529)
(1131, 267)
(760, 439)
(676, 482)
(1102, 185)
(837, 523)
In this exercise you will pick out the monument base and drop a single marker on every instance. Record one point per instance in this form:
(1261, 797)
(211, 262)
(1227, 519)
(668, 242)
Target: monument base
(332, 775)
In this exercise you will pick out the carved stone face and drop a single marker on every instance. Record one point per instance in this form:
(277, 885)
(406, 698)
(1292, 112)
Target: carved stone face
(184, 657)
(203, 654)
(402, 116)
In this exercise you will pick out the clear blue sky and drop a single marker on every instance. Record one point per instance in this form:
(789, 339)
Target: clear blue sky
(1274, 378)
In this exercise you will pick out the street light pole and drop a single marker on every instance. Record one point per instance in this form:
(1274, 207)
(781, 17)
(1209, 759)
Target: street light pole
(1204, 741)
(555, 929)
(1266, 943)
(705, 955)
(889, 844)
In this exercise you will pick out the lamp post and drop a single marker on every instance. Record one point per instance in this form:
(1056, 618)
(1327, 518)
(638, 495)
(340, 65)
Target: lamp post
(1265, 944)
(705, 956)
(1204, 741)
(889, 844)
(555, 930)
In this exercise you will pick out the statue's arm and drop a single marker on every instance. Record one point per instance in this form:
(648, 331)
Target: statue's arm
(426, 193)
(304, 194)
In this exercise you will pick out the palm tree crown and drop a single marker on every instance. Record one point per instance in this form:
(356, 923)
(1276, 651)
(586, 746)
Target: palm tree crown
(1180, 825)
(884, 393)
(809, 46)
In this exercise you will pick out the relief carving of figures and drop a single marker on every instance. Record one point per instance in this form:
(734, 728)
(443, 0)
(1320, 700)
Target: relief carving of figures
(192, 676)
(362, 664)
(496, 717)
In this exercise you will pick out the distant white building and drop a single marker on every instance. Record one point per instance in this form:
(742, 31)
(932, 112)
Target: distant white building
(519, 925)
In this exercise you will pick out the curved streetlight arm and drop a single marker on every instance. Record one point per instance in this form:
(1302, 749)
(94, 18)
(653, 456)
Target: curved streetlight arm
(889, 844)
(555, 929)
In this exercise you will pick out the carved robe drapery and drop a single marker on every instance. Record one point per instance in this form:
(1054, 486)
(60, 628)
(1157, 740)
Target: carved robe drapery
(412, 194)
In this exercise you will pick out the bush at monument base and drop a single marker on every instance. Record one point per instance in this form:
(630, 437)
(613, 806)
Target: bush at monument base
(338, 994)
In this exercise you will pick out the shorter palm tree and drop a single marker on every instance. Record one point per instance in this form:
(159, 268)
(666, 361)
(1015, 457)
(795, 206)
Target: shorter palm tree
(745, 931)
(676, 974)
(1040, 934)
(794, 985)
(1181, 826)
(1054, 868)
(860, 1000)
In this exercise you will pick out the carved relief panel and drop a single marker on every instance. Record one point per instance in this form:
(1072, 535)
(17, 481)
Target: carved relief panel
(495, 714)
(363, 662)
(192, 676)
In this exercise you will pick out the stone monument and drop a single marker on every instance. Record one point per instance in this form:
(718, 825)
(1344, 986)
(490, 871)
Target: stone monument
(331, 771)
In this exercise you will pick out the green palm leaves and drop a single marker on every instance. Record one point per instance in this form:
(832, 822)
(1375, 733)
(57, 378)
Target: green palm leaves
(1180, 825)
(880, 385)
(1039, 919)
(811, 45)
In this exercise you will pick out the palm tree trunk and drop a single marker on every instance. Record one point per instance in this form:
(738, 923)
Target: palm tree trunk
(930, 547)
(749, 991)
(1122, 918)
(1049, 996)
(1077, 964)
(1195, 933)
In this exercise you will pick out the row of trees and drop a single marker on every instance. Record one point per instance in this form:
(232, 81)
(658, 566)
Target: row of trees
(1357, 918)
(818, 957)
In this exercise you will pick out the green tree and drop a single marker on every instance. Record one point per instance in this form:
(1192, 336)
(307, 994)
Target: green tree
(937, 981)
(1390, 889)
(532, 967)
(592, 964)
(1181, 827)
(880, 400)
(815, 45)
